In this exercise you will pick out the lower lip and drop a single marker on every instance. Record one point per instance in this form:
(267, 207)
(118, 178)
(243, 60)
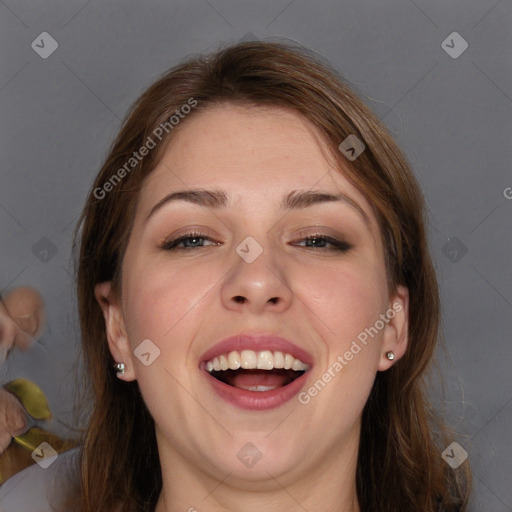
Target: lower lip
(257, 400)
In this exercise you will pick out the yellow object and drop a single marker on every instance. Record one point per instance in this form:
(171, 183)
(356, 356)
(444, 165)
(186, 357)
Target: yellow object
(32, 438)
(18, 455)
(32, 398)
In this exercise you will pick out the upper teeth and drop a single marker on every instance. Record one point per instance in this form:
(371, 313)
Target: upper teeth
(252, 360)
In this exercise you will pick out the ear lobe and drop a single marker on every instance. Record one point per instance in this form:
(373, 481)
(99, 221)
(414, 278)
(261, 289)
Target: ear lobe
(396, 332)
(117, 336)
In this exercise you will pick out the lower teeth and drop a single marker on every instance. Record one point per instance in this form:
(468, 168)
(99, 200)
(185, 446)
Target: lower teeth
(258, 388)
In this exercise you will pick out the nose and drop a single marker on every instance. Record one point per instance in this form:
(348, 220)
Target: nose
(257, 286)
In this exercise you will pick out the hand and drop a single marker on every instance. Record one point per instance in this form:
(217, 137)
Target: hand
(22, 318)
(13, 418)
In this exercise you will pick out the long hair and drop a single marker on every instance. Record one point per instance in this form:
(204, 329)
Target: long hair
(399, 462)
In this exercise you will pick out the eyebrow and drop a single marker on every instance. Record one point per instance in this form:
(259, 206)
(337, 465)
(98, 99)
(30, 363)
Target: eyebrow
(296, 199)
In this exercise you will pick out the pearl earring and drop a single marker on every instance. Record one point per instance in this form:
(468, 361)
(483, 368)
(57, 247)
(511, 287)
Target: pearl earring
(120, 368)
(390, 355)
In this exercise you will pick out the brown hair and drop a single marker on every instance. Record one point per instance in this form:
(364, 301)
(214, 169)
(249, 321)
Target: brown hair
(399, 463)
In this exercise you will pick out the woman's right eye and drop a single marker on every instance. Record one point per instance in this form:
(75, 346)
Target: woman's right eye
(194, 239)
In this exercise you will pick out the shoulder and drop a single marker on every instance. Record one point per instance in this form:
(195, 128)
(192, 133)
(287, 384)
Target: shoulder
(40, 490)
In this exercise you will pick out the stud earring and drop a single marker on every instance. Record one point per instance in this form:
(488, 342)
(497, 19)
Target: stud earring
(390, 355)
(120, 368)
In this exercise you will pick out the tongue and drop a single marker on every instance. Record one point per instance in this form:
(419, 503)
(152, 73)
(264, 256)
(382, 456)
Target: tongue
(249, 378)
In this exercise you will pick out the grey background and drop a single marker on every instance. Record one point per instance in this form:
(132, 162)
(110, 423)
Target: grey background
(451, 116)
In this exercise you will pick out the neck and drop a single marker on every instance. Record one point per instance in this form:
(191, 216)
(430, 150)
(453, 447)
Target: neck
(330, 486)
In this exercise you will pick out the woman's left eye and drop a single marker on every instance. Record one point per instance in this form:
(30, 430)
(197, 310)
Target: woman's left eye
(192, 241)
(316, 240)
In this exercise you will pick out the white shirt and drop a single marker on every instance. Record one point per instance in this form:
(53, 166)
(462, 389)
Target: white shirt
(36, 489)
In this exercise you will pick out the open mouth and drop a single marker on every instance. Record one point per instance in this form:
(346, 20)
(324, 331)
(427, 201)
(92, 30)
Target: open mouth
(256, 371)
(257, 380)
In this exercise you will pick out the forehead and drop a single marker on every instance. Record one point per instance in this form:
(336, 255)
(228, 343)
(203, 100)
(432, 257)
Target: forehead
(255, 154)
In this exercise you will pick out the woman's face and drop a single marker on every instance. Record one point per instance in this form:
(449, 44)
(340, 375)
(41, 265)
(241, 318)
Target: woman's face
(259, 263)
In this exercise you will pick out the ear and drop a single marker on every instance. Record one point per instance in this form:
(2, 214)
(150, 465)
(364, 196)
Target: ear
(396, 331)
(115, 328)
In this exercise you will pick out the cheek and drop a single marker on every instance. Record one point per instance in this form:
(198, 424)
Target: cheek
(159, 306)
(161, 296)
(349, 302)
(166, 305)
(345, 299)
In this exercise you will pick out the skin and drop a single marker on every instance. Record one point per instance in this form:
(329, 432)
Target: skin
(13, 419)
(22, 319)
(185, 302)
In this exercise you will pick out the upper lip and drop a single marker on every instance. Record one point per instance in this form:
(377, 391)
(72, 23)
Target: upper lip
(256, 342)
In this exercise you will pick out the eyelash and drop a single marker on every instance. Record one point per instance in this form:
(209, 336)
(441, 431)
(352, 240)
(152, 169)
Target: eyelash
(172, 245)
